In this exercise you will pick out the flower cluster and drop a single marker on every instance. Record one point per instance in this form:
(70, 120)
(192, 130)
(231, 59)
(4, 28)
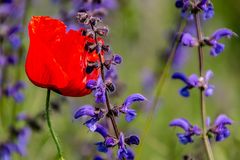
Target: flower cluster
(192, 10)
(188, 8)
(11, 15)
(17, 143)
(101, 87)
(97, 8)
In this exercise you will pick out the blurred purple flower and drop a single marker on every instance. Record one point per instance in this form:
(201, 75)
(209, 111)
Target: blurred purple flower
(22, 140)
(91, 5)
(189, 129)
(193, 81)
(219, 128)
(148, 81)
(15, 91)
(187, 8)
(6, 151)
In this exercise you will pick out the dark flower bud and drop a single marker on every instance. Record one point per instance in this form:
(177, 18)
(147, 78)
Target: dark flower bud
(34, 125)
(117, 59)
(106, 48)
(132, 140)
(110, 86)
(84, 32)
(179, 4)
(91, 66)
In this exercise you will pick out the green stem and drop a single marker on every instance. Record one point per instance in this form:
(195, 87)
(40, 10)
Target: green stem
(50, 126)
(159, 87)
(202, 98)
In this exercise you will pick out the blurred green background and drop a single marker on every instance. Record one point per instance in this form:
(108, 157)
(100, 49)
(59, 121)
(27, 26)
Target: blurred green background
(139, 30)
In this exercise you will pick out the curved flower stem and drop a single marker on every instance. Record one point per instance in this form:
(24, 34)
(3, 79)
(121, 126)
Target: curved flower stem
(108, 105)
(160, 85)
(202, 97)
(50, 126)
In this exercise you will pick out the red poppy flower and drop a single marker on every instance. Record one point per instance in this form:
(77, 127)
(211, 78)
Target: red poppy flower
(57, 59)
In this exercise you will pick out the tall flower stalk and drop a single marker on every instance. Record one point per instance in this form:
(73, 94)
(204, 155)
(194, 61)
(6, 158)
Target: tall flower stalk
(102, 88)
(201, 89)
(197, 10)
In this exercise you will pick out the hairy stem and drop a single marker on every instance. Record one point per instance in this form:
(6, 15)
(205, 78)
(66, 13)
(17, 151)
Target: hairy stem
(50, 126)
(108, 105)
(202, 97)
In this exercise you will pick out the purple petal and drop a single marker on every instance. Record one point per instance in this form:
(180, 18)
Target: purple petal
(184, 91)
(189, 40)
(117, 59)
(22, 141)
(133, 98)
(209, 91)
(223, 120)
(132, 140)
(202, 2)
(182, 123)
(208, 121)
(196, 130)
(101, 147)
(110, 142)
(86, 110)
(126, 154)
(208, 75)
(130, 115)
(193, 80)
(216, 49)
(121, 140)
(91, 84)
(208, 11)
(184, 139)
(91, 124)
(180, 76)
(220, 33)
(101, 130)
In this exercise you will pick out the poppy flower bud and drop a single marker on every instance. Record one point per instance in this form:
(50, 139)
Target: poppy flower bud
(57, 58)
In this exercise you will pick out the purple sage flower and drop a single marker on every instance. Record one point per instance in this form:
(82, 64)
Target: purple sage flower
(22, 140)
(125, 108)
(123, 151)
(15, 91)
(219, 129)
(99, 89)
(189, 129)
(187, 8)
(217, 47)
(188, 40)
(6, 151)
(90, 111)
(193, 81)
